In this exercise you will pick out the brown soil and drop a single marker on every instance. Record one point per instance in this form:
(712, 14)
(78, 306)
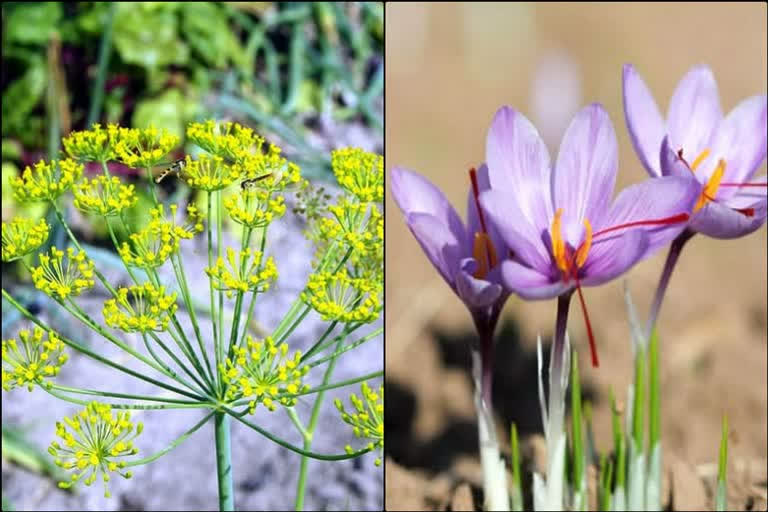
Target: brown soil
(449, 68)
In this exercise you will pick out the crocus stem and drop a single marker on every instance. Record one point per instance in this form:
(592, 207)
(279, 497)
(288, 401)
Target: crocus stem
(224, 461)
(674, 253)
(558, 343)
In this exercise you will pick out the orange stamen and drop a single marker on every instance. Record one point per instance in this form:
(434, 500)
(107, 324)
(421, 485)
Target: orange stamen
(703, 156)
(558, 245)
(484, 253)
(710, 189)
(581, 254)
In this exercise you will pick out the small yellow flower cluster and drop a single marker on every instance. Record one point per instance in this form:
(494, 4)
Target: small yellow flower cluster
(340, 297)
(22, 236)
(147, 309)
(264, 371)
(153, 245)
(368, 421)
(60, 281)
(104, 196)
(46, 181)
(244, 273)
(227, 140)
(96, 439)
(94, 145)
(255, 207)
(360, 172)
(210, 172)
(354, 224)
(35, 360)
(143, 147)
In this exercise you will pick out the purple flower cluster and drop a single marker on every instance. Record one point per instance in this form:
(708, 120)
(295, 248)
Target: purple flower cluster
(541, 231)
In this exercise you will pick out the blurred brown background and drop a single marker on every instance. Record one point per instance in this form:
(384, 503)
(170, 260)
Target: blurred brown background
(449, 67)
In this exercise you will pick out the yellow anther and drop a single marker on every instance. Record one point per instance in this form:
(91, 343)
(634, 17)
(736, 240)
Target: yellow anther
(581, 254)
(710, 189)
(484, 253)
(558, 245)
(703, 156)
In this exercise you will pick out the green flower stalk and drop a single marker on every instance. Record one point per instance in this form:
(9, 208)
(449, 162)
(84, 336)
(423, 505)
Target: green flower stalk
(63, 280)
(367, 419)
(22, 236)
(31, 359)
(94, 444)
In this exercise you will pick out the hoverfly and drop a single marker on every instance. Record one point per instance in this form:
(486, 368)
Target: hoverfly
(176, 167)
(251, 182)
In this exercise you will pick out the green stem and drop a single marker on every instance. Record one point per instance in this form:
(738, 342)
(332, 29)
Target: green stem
(177, 442)
(224, 462)
(120, 406)
(348, 347)
(84, 391)
(209, 233)
(219, 247)
(97, 97)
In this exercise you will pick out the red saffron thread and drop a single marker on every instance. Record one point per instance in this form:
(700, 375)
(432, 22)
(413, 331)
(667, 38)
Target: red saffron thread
(680, 217)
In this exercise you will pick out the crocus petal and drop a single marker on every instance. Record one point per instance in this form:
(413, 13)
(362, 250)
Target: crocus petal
(519, 161)
(442, 246)
(522, 237)
(530, 284)
(721, 221)
(644, 122)
(611, 258)
(653, 199)
(473, 220)
(585, 172)
(476, 293)
(694, 112)
(415, 194)
(741, 139)
(671, 164)
(747, 196)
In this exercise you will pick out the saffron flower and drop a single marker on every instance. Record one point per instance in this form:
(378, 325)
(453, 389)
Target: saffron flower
(721, 153)
(559, 221)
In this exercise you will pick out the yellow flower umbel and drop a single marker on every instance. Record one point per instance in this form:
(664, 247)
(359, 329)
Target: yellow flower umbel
(60, 280)
(368, 419)
(360, 172)
(22, 236)
(104, 196)
(94, 145)
(255, 207)
(46, 181)
(147, 309)
(227, 140)
(263, 371)
(153, 245)
(143, 147)
(244, 273)
(210, 173)
(340, 297)
(93, 443)
(35, 360)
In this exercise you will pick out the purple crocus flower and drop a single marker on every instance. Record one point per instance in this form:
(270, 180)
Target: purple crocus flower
(721, 153)
(559, 222)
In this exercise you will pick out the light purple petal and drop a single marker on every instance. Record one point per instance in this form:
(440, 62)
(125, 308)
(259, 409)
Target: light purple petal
(720, 221)
(585, 172)
(653, 199)
(610, 259)
(741, 139)
(747, 196)
(671, 164)
(414, 193)
(441, 246)
(473, 221)
(644, 122)
(477, 293)
(694, 112)
(530, 284)
(524, 239)
(518, 162)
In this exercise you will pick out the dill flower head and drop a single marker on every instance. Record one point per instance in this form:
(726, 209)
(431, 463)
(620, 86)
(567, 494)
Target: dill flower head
(22, 236)
(359, 172)
(340, 297)
(270, 168)
(263, 371)
(367, 418)
(159, 239)
(143, 147)
(34, 360)
(140, 308)
(104, 196)
(255, 207)
(46, 181)
(246, 272)
(92, 442)
(62, 280)
(359, 226)
(226, 140)
(209, 172)
(94, 145)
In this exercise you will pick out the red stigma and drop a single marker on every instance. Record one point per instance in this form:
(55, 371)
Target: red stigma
(674, 219)
(592, 344)
(748, 212)
(476, 194)
(763, 185)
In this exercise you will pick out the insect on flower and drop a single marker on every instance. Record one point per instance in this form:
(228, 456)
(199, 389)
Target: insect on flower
(176, 167)
(250, 183)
